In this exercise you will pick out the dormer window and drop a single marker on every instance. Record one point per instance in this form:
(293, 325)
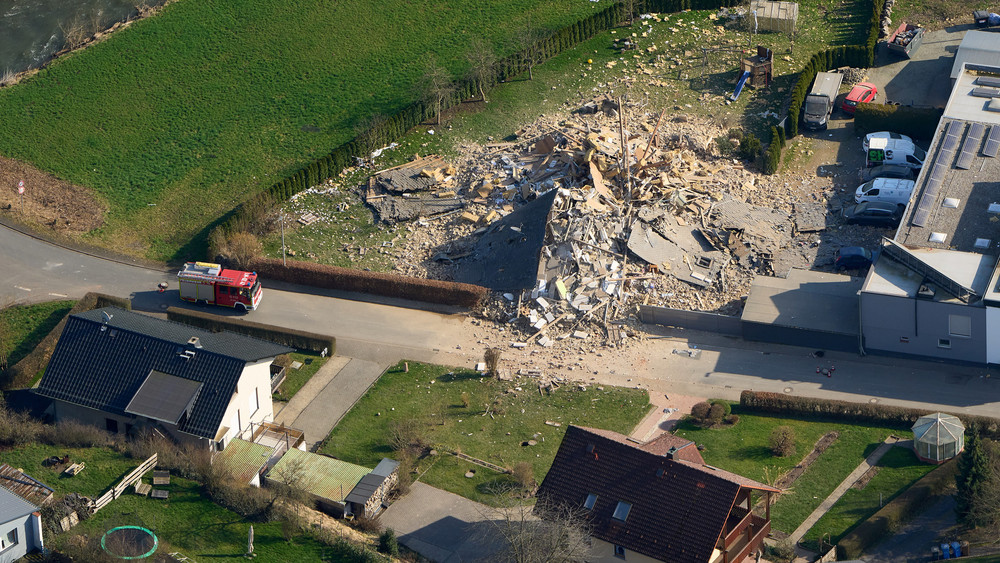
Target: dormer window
(621, 511)
(590, 502)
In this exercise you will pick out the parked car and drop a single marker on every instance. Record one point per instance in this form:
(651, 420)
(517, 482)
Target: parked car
(875, 213)
(862, 93)
(854, 258)
(882, 135)
(887, 171)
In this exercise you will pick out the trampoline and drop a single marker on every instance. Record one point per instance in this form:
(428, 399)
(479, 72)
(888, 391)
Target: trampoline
(129, 542)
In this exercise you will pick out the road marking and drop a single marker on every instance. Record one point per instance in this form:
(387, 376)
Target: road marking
(58, 295)
(21, 288)
(52, 265)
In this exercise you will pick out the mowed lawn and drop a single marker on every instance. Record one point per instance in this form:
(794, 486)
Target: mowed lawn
(432, 397)
(743, 449)
(178, 118)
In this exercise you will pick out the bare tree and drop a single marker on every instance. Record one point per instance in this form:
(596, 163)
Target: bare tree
(528, 42)
(543, 533)
(436, 85)
(369, 132)
(6, 331)
(482, 65)
(492, 360)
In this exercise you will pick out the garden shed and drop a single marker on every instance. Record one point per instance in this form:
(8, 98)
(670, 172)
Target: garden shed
(775, 16)
(938, 437)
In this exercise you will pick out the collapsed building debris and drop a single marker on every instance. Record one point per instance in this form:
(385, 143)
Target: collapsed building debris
(421, 188)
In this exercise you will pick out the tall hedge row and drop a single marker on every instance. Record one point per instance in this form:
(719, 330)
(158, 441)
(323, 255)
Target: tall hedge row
(862, 413)
(859, 56)
(394, 126)
(919, 123)
(772, 156)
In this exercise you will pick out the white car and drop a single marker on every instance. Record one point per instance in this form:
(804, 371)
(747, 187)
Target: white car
(883, 135)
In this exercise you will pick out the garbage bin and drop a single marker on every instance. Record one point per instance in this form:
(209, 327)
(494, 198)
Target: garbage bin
(981, 17)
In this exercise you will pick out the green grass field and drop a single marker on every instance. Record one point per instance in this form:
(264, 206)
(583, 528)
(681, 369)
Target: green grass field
(24, 326)
(296, 378)
(898, 469)
(176, 119)
(104, 467)
(743, 449)
(363, 435)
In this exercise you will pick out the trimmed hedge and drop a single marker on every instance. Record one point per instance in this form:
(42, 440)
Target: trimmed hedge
(772, 156)
(394, 126)
(919, 123)
(287, 336)
(859, 56)
(900, 509)
(864, 413)
(374, 283)
(21, 374)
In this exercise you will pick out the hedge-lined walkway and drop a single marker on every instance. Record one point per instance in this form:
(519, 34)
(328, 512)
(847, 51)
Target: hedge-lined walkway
(842, 488)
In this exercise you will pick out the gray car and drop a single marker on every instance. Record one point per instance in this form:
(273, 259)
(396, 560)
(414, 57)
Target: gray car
(887, 171)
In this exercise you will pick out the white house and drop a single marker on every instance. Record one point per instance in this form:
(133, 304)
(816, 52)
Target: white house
(127, 372)
(20, 527)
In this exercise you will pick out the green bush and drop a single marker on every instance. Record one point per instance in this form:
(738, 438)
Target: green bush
(750, 147)
(387, 543)
(286, 336)
(919, 123)
(727, 409)
(700, 410)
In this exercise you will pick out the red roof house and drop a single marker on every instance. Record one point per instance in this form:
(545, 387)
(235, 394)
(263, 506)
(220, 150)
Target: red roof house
(656, 501)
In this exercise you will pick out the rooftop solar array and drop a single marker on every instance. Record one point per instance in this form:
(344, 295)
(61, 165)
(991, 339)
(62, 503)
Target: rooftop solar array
(988, 81)
(992, 142)
(971, 146)
(938, 172)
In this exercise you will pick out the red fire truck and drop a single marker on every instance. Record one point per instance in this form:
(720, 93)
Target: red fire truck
(210, 284)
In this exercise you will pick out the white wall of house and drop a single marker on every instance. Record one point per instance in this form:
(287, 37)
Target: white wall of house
(604, 552)
(251, 403)
(19, 537)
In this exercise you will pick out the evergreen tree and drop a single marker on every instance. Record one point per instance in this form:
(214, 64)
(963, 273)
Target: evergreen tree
(973, 473)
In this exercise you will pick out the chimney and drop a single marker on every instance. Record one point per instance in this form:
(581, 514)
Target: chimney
(194, 342)
(670, 453)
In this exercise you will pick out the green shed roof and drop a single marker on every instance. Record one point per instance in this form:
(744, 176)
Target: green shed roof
(243, 459)
(318, 474)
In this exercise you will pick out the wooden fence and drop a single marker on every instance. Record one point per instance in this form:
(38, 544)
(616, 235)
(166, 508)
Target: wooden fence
(125, 483)
(480, 462)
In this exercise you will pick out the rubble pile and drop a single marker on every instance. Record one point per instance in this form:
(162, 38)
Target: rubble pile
(643, 210)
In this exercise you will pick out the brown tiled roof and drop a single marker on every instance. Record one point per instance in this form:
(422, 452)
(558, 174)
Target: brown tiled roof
(679, 507)
(683, 448)
(24, 486)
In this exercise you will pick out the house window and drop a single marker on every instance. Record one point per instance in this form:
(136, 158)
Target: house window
(9, 539)
(944, 343)
(590, 502)
(620, 551)
(960, 325)
(111, 424)
(621, 511)
(254, 402)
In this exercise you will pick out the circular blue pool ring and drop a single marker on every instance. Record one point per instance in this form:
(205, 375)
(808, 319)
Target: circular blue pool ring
(135, 542)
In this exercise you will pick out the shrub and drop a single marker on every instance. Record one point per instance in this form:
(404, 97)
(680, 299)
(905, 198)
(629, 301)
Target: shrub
(465, 399)
(242, 249)
(18, 428)
(733, 419)
(492, 360)
(73, 434)
(387, 543)
(700, 410)
(254, 503)
(782, 441)
(366, 525)
(524, 474)
(783, 551)
(727, 409)
(750, 147)
(716, 413)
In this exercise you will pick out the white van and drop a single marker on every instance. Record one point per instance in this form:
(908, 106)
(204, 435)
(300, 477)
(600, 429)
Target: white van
(894, 151)
(886, 190)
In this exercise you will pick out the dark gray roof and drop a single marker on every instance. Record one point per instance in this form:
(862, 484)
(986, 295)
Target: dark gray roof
(385, 467)
(104, 367)
(164, 397)
(13, 507)
(371, 482)
(237, 346)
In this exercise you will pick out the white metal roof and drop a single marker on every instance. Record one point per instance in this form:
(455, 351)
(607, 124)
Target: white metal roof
(938, 428)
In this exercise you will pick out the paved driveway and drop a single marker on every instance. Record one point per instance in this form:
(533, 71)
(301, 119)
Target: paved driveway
(924, 80)
(439, 525)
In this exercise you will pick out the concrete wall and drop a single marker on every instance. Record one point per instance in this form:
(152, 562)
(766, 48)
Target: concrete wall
(27, 538)
(921, 327)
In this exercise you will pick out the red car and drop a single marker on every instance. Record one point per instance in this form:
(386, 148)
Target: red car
(862, 93)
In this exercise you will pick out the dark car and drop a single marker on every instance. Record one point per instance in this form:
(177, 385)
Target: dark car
(888, 171)
(876, 213)
(854, 258)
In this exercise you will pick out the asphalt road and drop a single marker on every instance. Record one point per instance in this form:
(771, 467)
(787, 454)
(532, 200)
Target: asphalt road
(386, 332)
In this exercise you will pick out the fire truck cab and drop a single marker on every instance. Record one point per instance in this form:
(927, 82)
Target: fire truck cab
(211, 284)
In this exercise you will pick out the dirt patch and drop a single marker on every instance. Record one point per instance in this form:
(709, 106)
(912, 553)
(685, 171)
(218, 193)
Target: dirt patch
(821, 445)
(862, 482)
(48, 201)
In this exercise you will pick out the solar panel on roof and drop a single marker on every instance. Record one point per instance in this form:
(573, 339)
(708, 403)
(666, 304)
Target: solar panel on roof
(976, 131)
(992, 142)
(964, 161)
(988, 81)
(949, 143)
(970, 146)
(921, 216)
(985, 92)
